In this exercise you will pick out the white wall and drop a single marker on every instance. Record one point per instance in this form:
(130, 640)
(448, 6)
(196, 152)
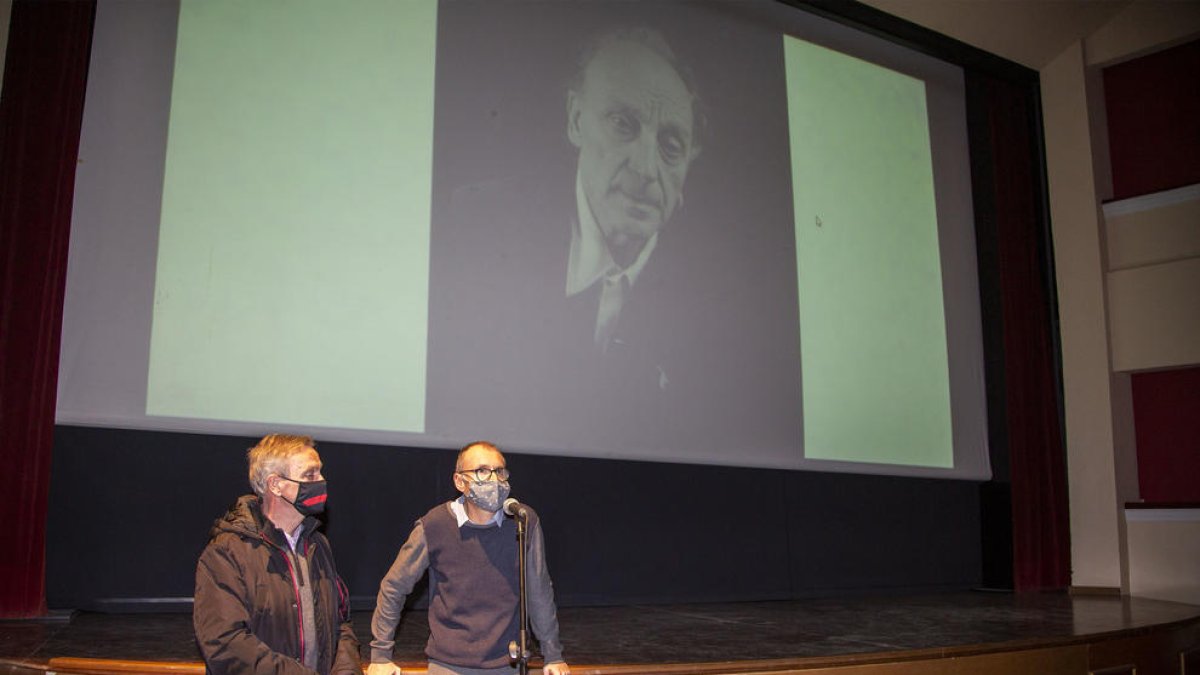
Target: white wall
(1153, 277)
(1094, 296)
(1079, 259)
(1164, 554)
(1141, 28)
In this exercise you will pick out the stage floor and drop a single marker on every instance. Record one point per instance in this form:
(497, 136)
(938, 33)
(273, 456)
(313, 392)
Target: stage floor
(699, 633)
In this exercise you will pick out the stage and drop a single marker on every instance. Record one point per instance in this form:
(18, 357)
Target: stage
(954, 632)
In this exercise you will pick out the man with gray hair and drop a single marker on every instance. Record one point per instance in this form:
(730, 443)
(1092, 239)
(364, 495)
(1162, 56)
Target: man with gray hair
(632, 112)
(268, 596)
(591, 296)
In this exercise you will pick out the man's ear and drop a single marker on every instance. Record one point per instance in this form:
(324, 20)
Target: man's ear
(574, 110)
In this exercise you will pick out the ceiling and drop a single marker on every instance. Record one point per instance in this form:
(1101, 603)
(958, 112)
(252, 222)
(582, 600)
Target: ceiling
(1029, 32)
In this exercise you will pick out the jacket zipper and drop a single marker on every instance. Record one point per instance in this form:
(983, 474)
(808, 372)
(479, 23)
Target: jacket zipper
(295, 590)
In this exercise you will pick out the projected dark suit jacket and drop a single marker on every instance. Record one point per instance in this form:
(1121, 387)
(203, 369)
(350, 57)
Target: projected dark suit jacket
(709, 349)
(512, 357)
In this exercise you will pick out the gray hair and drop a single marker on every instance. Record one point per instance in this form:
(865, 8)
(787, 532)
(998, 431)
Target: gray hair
(271, 455)
(651, 39)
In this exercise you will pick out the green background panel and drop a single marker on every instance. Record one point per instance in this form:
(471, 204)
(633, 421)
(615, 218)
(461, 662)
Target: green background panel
(292, 277)
(872, 325)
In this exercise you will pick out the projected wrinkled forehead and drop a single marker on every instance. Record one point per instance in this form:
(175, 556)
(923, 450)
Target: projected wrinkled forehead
(656, 43)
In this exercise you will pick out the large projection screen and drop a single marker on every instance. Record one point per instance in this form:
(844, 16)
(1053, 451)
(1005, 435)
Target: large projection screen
(709, 232)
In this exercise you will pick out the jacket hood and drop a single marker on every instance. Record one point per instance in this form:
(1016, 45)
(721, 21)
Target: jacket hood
(245, 519)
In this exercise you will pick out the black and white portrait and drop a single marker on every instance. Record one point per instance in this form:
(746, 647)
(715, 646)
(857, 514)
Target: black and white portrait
(613, 261)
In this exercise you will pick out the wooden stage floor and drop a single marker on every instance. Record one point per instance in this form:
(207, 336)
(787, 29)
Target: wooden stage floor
(826, 630)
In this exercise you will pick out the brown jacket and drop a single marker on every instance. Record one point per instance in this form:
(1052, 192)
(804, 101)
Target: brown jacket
(247, 610)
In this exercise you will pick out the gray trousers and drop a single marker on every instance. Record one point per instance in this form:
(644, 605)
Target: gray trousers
(439, 668)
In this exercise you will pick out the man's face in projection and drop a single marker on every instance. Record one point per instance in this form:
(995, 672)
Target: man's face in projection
(632, 121)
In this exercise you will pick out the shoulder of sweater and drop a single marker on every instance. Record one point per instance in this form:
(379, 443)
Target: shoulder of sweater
(438, 515)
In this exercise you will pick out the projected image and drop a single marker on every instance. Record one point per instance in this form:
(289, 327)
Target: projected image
(576, 295)
(686, 231)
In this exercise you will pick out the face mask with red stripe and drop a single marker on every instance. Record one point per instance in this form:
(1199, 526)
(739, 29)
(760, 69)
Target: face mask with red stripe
(310, 498)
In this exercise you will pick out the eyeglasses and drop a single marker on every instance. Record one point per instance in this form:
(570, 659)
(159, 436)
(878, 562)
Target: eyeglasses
(486, 472)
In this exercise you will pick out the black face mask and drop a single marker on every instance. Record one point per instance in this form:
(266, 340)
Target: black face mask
(310, 498)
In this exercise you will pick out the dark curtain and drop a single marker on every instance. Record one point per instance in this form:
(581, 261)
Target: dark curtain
(40, 113)
(1153, 108)
(1006, 132)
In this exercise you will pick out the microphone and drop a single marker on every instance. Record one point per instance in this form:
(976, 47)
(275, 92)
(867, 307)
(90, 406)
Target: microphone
(515, 509)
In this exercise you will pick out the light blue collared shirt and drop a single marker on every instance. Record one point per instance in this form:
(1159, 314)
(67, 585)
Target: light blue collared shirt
(460, 513)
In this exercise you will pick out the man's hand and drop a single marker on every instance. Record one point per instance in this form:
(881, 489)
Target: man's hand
(556, 668)
(388, 668)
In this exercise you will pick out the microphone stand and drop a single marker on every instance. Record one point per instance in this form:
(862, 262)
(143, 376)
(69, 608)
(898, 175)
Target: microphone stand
(520, 652)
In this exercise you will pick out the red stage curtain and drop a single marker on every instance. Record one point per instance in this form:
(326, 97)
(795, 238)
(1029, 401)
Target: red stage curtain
(40, 113)
(1041, 526)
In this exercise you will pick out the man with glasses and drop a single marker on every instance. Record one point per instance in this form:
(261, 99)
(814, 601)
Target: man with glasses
(470, 549)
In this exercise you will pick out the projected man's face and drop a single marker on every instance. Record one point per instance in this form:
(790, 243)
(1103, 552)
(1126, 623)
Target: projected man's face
(632, 122)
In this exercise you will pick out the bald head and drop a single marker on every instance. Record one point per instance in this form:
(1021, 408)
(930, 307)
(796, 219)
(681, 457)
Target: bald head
(470, 454)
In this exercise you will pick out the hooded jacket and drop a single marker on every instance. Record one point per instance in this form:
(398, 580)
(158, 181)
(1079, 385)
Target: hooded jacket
(247, 608)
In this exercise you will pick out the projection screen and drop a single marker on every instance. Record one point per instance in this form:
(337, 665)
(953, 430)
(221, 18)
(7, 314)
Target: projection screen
(710, 232)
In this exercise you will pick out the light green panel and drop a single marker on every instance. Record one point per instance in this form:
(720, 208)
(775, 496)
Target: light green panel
(292, 279)
(872, 326)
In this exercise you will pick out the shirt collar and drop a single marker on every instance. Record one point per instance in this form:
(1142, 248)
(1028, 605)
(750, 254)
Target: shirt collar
(294, 537)
(589, 259)
(460, 514)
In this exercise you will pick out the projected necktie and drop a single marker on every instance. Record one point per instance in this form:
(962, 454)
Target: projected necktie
(612, 297)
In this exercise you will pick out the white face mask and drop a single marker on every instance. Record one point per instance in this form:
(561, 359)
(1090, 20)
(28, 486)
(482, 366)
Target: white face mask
(488, 495)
